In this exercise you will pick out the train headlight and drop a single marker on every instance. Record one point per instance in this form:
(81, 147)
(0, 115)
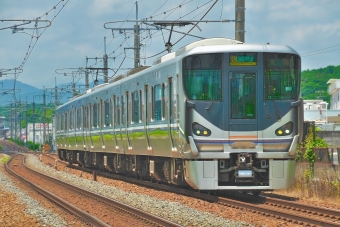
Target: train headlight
(285, 130)
(200, 130)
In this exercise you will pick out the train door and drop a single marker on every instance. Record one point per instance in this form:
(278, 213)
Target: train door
(243, 114)
(120, 119)
(115, 124)
(67, 128)
(86, 120)
(125, 122)
(95, 135)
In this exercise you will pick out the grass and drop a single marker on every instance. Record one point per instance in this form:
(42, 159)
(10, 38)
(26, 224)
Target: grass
(4, 158)
(305, 188)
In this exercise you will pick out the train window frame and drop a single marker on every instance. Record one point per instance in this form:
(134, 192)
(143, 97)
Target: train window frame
(246, 99)
(202, 76)
(158, 106)
(79, 118)
(70, 120)
(127, 117)
(281, 76)
(122, 104)
(114, 111)
(136, 106)
(107, 113)
(65, 121)
(95, 116)
(146, 100)
(118, 111)
(84, 117)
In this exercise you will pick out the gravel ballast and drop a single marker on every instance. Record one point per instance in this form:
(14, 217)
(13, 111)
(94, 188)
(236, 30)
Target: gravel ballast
(174, 211)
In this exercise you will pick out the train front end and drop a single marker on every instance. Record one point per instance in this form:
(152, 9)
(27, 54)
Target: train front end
(241, 117)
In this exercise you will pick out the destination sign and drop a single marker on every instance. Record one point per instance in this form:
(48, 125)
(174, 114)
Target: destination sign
(243, 59)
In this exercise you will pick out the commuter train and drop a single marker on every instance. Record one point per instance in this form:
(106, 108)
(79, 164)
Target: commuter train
(217, 114)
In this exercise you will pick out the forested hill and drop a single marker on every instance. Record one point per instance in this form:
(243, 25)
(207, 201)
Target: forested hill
(314, 82)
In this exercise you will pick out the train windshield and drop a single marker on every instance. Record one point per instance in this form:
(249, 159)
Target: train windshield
(282, 76)
(203, 76)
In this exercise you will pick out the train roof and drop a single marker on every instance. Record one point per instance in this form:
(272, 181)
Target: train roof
(198, 47)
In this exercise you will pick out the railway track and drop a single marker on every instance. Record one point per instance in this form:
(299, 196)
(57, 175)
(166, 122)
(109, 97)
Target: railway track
(92, 208)
(292, 212)
(289, 211)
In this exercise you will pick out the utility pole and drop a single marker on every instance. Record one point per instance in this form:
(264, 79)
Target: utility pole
(33, 122)
(20, 133)
(137, 41)
(239, 20)
(11, 117)
(86, 76)
(55, 93)
(136, 46)
(106, 78)
(15, 120)
(44, 121)
(26, 135)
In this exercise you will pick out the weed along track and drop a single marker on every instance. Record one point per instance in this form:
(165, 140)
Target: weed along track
(92, 208)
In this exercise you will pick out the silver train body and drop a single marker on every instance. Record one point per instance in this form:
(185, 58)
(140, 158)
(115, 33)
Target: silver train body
(217, 114)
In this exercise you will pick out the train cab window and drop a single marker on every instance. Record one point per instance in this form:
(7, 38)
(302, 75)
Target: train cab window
(202, 76)
(107, 114)
(158, 102)
(243, 95)
(281, 76)
(135, 107)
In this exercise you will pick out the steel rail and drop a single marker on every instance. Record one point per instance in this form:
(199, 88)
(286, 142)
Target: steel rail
(111, 202)
(230, 202)
(286, 214)
(87, 218)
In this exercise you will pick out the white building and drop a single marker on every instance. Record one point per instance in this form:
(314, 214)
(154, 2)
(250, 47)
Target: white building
(39, 132)
(315, 104)
(334, 92)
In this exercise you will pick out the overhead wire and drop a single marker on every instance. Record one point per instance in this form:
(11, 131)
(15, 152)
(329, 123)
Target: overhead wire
(320, 51)
(151, 35)
(31, 46)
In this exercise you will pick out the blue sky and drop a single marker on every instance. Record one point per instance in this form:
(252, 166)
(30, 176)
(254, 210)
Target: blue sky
(311, 27)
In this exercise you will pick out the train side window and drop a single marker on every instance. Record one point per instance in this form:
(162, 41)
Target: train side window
(127, 109)
(78, 119)
(114, 111)
(107, 113)
(135, 107)
(118, 111)
(95, 115)
(84, 117)
(122, 110)
(70, 120)
(158, 102)
(146, 103)
(65, 122)
(90, 116)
